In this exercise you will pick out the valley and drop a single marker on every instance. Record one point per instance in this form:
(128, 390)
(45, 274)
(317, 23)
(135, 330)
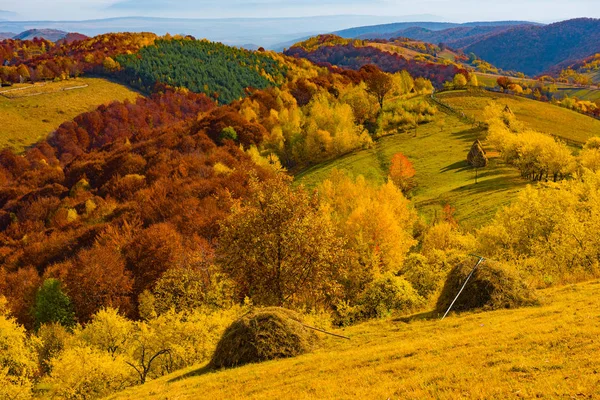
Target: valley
(181, 218)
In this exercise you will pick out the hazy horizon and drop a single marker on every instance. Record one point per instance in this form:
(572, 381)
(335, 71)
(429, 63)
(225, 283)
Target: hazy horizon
(440, 10)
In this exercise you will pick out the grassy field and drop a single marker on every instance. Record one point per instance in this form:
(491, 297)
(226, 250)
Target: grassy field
(543, 117)
(29, 115)
(581, 94)
(550, 351)
(438, 153)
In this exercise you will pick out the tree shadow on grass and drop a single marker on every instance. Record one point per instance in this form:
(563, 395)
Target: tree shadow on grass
(469, 135)
(458, 166)
(197, 372)
(500, 183)
(424, 316)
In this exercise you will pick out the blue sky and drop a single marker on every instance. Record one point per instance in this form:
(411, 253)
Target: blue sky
(451, 10)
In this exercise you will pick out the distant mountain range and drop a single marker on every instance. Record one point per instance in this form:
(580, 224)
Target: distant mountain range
(387, 31)
(536, 49)
(511, 45)
(52, 35)
(254, 32)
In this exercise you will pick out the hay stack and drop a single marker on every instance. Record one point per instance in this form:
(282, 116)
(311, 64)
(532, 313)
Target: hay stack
(261, 335)
(491, 287)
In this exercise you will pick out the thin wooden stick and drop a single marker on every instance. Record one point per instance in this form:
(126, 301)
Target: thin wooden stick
(325, 332)
(481, 259)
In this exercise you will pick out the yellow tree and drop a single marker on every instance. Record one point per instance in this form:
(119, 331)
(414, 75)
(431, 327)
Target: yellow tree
(377, 223)
(279, 247)
(17, 360)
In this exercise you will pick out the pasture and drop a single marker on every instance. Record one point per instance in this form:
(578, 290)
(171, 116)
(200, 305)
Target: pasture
(29, 113)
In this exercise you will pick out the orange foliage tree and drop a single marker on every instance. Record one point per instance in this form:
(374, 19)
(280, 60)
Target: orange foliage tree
(402, 172)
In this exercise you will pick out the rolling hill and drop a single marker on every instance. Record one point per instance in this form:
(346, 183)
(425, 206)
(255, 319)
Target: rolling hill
(391, 30)
(540, 352)
(518, 46)
(438, 153)
(543, 117)
(454, 37)
(388, 56)
(52, 35)
(535, 49)
(28, 113)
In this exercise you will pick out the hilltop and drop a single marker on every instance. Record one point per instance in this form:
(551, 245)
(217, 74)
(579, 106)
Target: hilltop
(519, 46)
(535, 49)
(386, 31)
(52, 35)
(534, 352)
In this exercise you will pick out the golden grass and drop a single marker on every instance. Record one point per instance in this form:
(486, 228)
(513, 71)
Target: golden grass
(438, 153)
(543, 117)
(25, 119)
(549, 351)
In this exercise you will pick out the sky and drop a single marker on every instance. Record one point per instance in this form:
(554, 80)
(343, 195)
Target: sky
(446, 10)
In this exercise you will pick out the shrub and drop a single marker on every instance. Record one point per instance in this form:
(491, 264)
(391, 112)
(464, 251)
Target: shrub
(87, 373)
(424, 277)
(492, 286)
(228, 133)
(16, 359)
(386, 294)
(52, 339)
(264, 334)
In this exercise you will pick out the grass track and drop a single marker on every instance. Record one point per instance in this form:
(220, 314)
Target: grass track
(549, 351)
(443, 176)
(27, 120)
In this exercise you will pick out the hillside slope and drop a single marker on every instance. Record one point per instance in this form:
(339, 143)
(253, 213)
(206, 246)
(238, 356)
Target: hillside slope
(389, 30)
(30, 113)
(543, 117)
(535, 49)
(544, 352)
(438, 153)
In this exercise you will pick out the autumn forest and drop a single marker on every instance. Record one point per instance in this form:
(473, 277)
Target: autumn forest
(136, 235)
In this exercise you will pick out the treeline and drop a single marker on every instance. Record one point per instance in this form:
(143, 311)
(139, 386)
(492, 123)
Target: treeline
(356, 56)
(219, 71)
(538, 156)
(41, 60)
(545, 89)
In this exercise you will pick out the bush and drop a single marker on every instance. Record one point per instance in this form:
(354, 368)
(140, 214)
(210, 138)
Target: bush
(16, 359)
(424, 277)
(491, 287)
(264, 334)
(87, 373)
(52, 339)
(386, 294)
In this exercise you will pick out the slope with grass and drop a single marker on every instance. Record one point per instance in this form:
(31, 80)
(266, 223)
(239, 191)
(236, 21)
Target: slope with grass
(29, 114)
(543, 117)
(549, 351)
(438, 153)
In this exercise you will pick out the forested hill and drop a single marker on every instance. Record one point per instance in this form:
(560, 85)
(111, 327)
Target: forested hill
(217, 70)
(354, 54)
(535, 49)
(388, 31)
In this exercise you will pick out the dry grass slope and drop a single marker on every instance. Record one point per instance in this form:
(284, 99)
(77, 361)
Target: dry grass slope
(439, 153)
(543, 117)
(29, 115)
(550, 351)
